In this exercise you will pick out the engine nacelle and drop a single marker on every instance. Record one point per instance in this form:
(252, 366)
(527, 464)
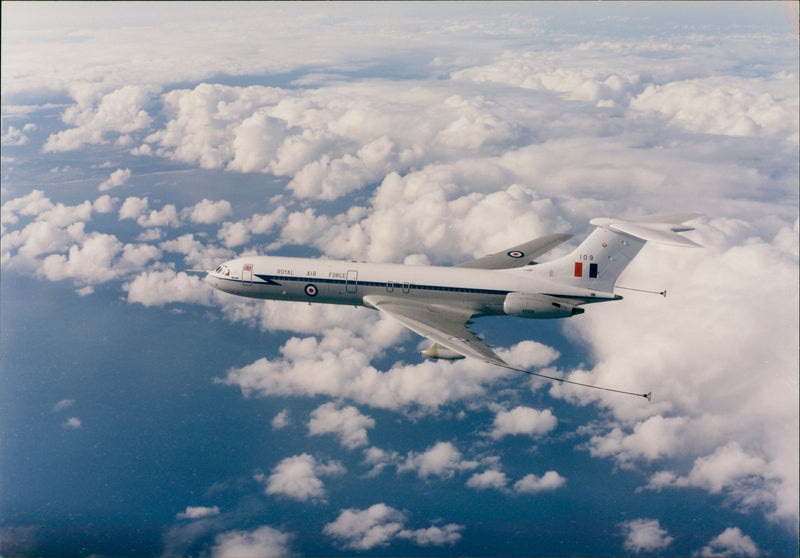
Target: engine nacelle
(530, 305)
(436, 351)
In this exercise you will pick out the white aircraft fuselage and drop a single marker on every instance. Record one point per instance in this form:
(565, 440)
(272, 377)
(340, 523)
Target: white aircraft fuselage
(482, 292)
(438, 302)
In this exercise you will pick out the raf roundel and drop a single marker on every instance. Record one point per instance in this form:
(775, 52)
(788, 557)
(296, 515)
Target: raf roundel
(516, 254)
(311, 290)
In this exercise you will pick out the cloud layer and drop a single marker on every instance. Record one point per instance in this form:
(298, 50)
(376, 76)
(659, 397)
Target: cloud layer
(460, 131)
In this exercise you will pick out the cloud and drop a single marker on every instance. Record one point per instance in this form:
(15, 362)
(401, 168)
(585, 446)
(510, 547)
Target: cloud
(731, 542)
(523, 420)
(655, 438)
(434, 535)
(380, 459)
(16, 136)
(166, 216)
(137, 208)
(56, 246)
(72, 423)
(281, 420)
(440, 460)
(234, 234)
(133, 208)
(96, 114)
(104, 204)
(196, 254)
(33, 203)
(496, 480)
(117, 178)
(198, 512)
(160, 287)
(379, 524)
(644, 535)
(531, 484)
(347, 423)
(338, 366)
(737, 389)
(723, 105)
(263, 542)
(747, 479)
(297, 478)
(555, 72)
(495, 150)
(88, 263)
(366, 529)
(208, 212)
(63, 404)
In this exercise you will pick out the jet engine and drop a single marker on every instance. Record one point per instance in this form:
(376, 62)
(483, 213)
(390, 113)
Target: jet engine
(436, 351)
(531, 305)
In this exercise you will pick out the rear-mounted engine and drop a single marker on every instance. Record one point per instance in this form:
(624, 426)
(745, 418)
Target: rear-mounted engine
(529, 305)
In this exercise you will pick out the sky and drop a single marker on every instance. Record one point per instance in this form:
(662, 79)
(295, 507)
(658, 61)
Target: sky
(144, 414)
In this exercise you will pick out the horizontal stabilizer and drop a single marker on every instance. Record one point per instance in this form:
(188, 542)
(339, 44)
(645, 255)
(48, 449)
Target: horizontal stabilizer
(662, 229)
(520, 255)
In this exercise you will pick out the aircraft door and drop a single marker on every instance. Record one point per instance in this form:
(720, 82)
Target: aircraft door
(247, 274)
(351, 286)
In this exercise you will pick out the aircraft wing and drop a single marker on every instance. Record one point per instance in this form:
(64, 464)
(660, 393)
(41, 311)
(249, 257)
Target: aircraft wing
(520, 255)
(443, 325)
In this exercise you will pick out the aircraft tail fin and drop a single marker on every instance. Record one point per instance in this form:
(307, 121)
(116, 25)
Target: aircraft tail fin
(603, 256)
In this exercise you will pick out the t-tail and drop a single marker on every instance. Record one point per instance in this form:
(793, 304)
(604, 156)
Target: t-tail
(603, 256)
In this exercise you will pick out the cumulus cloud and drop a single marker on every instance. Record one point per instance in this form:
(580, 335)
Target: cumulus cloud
(379, 459)
(63, 404)
(297, 478)
(706, 416)
(366, 529)
(196, 254)
(16, 136)
(56, 245)
(207, 211)
(104, 204)
(532, 484)
(198, 512)
(160, 287)
(434, 535)
(234, 234)
(462, 168)
(133, 208)
(722, 105)
(96, 115)
(645, 535)
(731, 542)
(166, 216)
(33, 203)
(496, 480)
(263, 542)
(281, 420)
(139, 210)
(379, 524)
(440, 460)
(746, 479)
(523, 420)
(88, 263)
(347, 423)
(117, 178)
(72, 423)
(339, 366)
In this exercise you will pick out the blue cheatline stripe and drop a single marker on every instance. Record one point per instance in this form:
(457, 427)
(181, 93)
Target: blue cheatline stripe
(269, 280)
